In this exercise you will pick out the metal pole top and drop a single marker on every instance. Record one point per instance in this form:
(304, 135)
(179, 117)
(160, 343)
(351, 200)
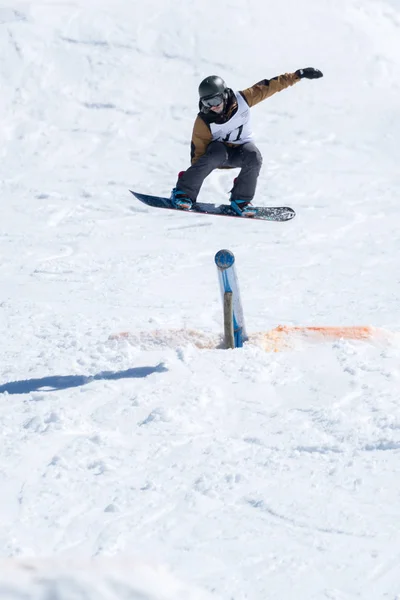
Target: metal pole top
(224, 259)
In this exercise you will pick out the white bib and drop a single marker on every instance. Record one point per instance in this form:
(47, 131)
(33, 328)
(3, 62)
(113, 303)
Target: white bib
(238, 129)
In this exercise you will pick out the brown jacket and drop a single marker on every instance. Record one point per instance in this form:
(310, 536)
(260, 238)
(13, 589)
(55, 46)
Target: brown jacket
(258, 92)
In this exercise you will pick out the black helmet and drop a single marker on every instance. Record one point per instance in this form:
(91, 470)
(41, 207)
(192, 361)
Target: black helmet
(211, 86)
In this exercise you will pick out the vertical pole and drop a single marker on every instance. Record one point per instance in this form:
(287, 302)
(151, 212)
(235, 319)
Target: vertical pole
(229, 333)
(225, 261)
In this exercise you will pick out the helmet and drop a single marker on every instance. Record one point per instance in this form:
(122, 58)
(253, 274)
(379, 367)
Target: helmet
(211, 86)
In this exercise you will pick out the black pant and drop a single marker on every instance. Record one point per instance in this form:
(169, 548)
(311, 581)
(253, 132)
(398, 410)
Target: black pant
(245, 156)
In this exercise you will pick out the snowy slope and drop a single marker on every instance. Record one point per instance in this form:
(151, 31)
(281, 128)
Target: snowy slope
(110, 579)
(245, 474)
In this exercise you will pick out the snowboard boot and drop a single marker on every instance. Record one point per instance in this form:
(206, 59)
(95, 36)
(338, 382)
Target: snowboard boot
(243, 208)
(180, 200)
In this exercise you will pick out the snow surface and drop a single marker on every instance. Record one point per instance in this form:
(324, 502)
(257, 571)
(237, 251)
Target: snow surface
(157, 465)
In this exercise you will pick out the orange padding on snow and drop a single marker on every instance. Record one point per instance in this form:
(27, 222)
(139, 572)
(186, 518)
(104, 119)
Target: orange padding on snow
(352, 332)
(285, 336)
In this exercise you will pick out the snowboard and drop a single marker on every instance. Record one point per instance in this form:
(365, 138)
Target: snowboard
(265, 213)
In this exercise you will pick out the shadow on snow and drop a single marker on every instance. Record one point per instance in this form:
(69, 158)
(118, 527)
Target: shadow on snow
(63, 382)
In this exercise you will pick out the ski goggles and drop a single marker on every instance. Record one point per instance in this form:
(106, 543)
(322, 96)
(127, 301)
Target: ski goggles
(212, 100)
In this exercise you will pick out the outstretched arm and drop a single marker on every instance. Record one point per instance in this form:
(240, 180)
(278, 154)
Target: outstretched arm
(268, 87)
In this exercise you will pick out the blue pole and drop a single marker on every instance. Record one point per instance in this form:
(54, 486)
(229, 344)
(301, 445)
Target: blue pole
(225, 261)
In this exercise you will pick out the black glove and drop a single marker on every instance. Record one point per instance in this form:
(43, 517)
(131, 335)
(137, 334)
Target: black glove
(309, 73)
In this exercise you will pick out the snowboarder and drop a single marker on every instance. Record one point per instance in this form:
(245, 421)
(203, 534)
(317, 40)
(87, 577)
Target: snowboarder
(222, 138)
